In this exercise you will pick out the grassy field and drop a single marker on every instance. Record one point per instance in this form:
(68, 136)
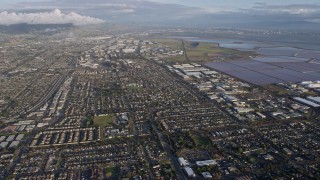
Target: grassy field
(109, 171)
(103, 121)
(174, 44)
(202, 51)
(112, 171)
(201, 141)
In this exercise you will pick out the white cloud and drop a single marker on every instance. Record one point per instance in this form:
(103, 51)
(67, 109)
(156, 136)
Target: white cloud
(53, 17)
(294, 11)
(124, 11)
(314, 20)
(303, 9)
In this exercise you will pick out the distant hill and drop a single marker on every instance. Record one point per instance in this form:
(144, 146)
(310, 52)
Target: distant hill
(32, 28)
(293, 25)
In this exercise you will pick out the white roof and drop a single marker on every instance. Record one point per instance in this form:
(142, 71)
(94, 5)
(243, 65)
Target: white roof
(209, 72)
(26, 122)
(10, 138)
(3, 144)
(2, 138)
(189, 171)
(182, 161)
(19, 137)
(42, 124)
(206, 175)
(129, 50)
(206, 163)
(14, 144)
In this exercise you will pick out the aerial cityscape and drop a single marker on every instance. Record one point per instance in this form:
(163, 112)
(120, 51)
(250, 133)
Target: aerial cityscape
(93, 94)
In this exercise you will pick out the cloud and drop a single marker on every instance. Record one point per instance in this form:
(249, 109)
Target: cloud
(124, 11)
(53, 17)
(302, 9)
(156, 12)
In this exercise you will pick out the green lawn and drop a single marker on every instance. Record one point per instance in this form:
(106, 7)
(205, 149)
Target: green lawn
(104, 121)
(201, 141)
(174, 44)
(206, 51)
(112, 171)
(202, 51)
(109, 171)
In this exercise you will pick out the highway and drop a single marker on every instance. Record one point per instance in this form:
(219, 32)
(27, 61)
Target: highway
(54, 87)
(46, 96)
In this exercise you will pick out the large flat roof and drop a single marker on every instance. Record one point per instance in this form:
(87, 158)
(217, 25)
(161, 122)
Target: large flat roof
(315, 99)
(306, 102)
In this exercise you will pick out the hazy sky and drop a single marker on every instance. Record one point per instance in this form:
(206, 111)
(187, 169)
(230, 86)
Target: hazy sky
(192, 12)
(235, 3)
(205, 3)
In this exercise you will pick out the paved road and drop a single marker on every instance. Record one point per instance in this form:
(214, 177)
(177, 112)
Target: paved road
(184, 50)
(167, 149)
